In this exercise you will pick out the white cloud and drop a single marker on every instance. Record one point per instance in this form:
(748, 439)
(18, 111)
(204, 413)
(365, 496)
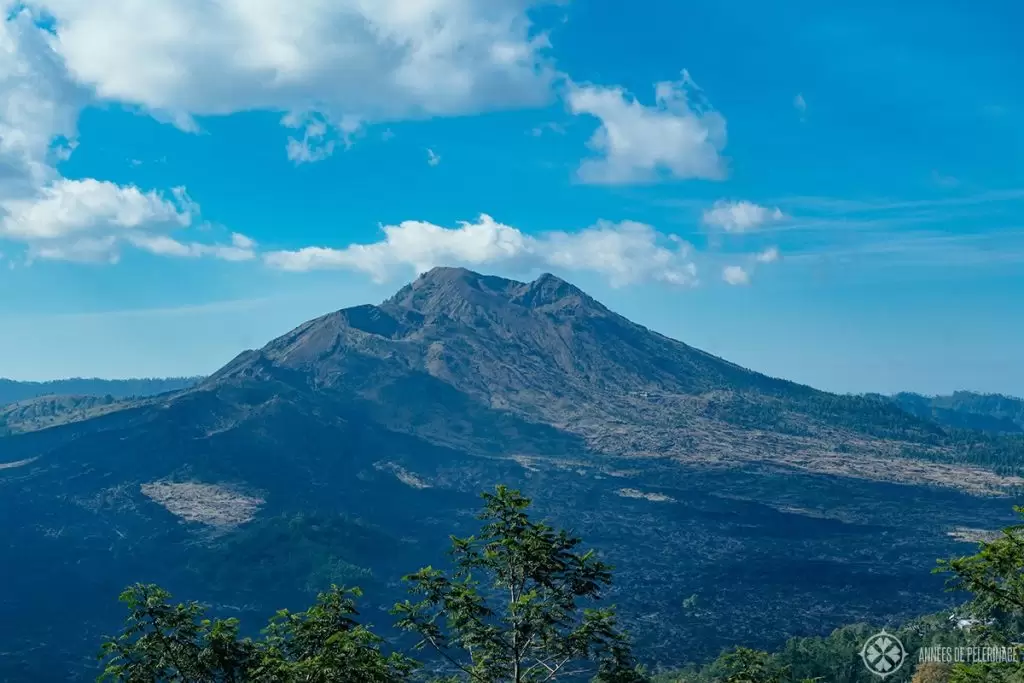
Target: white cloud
(78, 250)
(681, 136)
(38, 105)
(432, 158)
(800, 104)
(86, 220)
(344, 60)
(769, 255)
(89, 220)
(241, 241)
(319, 137)
(735, 275)
(162, 245)
(52, 217)
(624, 252)
(740, 216)
(68, 207)
(314, 144)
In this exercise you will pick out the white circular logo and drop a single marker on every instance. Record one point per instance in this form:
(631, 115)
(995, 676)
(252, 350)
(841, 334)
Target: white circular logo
(883, 654)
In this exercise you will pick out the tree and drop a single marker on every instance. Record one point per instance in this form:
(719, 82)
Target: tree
(175, 643)
(326, 645)
(995, 574)
(995, 577)
(165, 642)
(931, 672)
(744, 665)
(510, 611)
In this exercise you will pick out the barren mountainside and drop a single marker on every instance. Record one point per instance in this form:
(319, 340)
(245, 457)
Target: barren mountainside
(546, 353)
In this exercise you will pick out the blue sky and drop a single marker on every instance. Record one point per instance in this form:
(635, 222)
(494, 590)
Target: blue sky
(832, 194)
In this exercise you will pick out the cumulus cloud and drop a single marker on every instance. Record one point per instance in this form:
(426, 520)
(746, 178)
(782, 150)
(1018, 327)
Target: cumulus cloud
(39, 107)
(769, 255)
(69, 207)
(680, 136)
(740, 216)
(86, 219)
(626, 252)
(89, 220)
(345, 60)
(735, 275)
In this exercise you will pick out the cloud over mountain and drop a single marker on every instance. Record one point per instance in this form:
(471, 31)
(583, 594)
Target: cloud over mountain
(626, 252)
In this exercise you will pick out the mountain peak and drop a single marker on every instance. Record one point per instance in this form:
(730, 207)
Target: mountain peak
(445, 289)
(449, 289)
(439, 274)
(549, 290)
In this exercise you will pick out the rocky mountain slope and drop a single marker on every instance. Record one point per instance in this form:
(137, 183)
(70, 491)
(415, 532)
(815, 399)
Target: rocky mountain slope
(348, 449)
(49, 411)
(455, 348)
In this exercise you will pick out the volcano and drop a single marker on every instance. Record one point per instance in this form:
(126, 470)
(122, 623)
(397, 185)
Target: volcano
(348, 449)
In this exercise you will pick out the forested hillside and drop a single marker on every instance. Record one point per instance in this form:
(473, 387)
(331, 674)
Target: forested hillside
(967, 410)
(11, 391)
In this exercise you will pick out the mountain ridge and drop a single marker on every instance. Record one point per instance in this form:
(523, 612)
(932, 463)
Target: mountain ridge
(544, 353)
(13, 390)
(994, 413)
(548, 353)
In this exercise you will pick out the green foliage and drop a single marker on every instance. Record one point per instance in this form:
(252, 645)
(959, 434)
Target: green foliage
(165, 642)
(995, 577)
(922, 434)
(11, 391)
(985, 673)
(510, 610)
(324, 644)
(967, 410)
(175, 643)
(744, 665)
(322, 550)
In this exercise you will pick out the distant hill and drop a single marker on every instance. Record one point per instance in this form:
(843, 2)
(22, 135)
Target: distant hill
(993, 413)
(348, 449)
(49, 411)
(11, 391)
